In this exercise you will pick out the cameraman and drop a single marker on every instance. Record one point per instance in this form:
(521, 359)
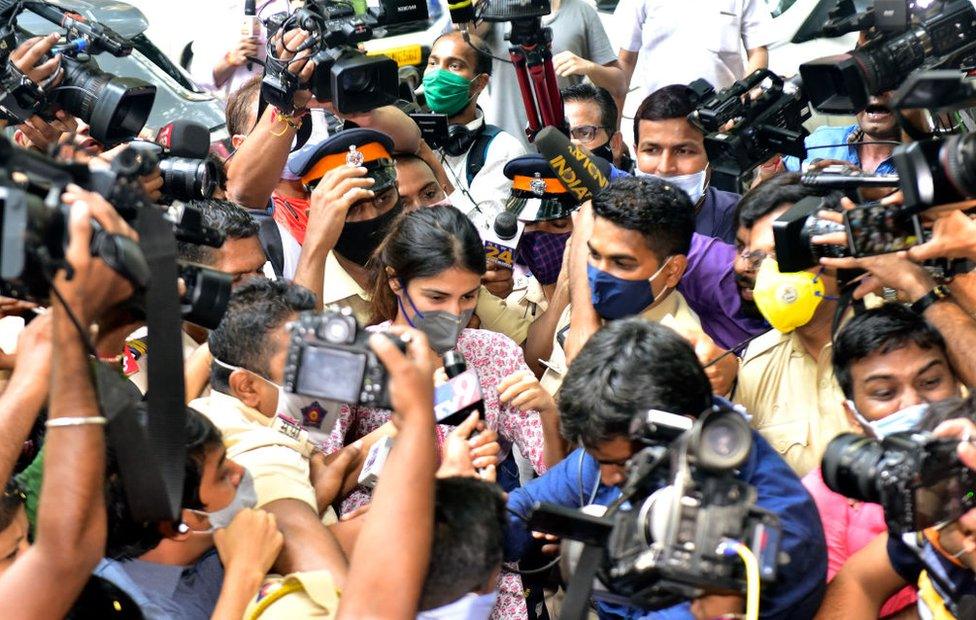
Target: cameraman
(890, 364)
(866, 144)
(651, 367)
(940, 561)
(43, 581)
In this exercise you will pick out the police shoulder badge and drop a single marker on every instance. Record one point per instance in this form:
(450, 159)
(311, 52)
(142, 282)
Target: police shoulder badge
(354, 158)
(537, 185)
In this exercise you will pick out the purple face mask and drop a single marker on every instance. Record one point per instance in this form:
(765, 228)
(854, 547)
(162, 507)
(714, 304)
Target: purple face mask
(542, 253)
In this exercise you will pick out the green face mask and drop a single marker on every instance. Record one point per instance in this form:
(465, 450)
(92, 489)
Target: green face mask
(446, 92)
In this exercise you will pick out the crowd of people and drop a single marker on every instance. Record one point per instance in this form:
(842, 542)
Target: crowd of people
(661, 293)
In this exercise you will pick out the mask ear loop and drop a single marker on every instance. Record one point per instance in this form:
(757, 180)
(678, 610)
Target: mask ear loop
(417, 313)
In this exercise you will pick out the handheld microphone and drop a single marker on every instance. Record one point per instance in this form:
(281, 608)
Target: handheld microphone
(185, 138)
(582, 174)
(456, 398)
(502, 239)
(251, 26)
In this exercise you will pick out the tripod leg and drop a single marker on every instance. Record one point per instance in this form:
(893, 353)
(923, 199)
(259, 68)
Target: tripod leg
(525, 89)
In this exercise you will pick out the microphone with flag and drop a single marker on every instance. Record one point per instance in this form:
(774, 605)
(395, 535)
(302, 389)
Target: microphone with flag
(582, 174)
(456, 398)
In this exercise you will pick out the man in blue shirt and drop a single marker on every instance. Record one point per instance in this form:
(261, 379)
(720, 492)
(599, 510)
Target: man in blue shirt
(631, 366)
(866, 144)
(672, 149)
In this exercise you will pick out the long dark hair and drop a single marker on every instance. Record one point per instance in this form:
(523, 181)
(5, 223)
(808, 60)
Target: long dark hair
(422, 244)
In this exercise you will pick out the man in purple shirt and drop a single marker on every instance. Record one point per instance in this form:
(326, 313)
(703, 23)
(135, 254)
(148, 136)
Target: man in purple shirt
(709, 284)
(709, 287)
(672, 149)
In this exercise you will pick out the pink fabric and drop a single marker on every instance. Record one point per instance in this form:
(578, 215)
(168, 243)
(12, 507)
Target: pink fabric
(494, 356)
(848, 526)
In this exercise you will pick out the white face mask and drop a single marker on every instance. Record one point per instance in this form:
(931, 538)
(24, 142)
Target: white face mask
(307, 411)
(692, 184)
(245, 496)
(906, 419)
(471, 606)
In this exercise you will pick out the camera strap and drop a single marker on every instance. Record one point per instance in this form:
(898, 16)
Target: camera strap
(577, 602)
(151, 449)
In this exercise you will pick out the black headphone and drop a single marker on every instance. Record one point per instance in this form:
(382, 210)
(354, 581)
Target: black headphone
(460, 139)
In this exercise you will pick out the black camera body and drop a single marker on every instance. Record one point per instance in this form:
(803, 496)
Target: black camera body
(673, 538)
(762, 127)
(936, 172)
(916, 477)
(329, 357)
(942, 35)
(793, 231)
(353, 81)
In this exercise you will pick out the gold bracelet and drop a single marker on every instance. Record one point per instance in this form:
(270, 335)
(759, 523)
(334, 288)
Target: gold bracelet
(96, 420)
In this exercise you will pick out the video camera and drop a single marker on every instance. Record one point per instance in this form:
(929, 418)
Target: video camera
(741, 132)
(939, 34)
(916, 477)
(353, 81)
(34, 225)
(115, 107)
(181, 152)
(329, 357)
(673, 533)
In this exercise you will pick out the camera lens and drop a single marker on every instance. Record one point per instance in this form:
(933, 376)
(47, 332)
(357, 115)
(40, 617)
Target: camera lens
(116, 108)
(850, 466)
(958, 159)
(188, 179)
(723, 443)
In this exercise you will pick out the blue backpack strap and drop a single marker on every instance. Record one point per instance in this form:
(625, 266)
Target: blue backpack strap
(479, 151)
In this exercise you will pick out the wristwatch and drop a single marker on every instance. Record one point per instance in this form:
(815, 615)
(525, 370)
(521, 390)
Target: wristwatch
(940, 292)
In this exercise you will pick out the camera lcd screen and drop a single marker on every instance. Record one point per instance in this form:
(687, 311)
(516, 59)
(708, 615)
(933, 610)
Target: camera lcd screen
(332, 374)
(939, 502)
(878, 229)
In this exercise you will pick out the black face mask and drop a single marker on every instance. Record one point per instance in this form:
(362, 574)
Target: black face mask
(603, 151)
(358, 240)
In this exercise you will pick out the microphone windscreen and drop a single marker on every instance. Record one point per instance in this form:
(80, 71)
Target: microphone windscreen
(185, 138)
(583, 174)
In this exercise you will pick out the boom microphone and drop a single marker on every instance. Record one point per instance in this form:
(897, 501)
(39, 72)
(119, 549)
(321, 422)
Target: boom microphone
(582, 173)
(462, 11)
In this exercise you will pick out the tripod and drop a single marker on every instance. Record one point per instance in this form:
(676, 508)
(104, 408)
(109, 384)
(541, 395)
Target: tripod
(531, 54)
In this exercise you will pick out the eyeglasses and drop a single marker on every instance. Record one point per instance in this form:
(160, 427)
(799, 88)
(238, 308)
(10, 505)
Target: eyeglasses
(752, 258)
(585, 133)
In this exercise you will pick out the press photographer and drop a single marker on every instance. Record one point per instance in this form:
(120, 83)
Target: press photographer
(653, 368)
(936, 550)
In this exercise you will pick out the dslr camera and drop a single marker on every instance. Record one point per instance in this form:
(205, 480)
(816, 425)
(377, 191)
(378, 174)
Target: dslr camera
(916, 477)
(329, 358)
(353, 81)
(673, 533)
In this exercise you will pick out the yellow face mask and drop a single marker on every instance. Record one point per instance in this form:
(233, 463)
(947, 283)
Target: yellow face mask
(787, 300)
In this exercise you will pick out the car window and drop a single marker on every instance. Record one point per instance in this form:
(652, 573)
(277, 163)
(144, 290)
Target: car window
(778, 7)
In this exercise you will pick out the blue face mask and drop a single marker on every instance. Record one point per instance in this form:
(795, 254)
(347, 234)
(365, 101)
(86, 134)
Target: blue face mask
(906, 419)
(615, 298)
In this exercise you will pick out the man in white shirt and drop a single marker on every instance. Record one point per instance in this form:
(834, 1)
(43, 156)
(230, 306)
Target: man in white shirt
(220, 54)
(678, 41)
(476, 154)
